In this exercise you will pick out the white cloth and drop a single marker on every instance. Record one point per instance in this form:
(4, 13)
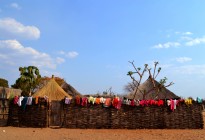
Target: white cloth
(19, 101)
(29, 101)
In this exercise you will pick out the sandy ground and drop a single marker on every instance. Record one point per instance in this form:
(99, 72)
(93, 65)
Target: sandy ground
(14, 133)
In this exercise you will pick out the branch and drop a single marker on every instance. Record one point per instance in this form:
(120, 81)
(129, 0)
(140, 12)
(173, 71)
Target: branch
(155, 66)
(135, 68)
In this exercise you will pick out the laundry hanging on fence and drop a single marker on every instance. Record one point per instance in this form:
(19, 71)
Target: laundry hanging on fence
(67, 100)
(16, 98)
(20, 100)
(29, 101)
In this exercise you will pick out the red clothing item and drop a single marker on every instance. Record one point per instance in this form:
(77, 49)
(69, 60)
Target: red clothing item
(144, 102)
(132, 103)
(115, 102)
(84, 101)
(160, 103)
(151, 102)
(77, 100)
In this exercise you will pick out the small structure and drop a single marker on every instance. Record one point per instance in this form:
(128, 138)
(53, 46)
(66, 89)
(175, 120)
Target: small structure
(146, 91)
(5, 95)
(54, 93)
(70, 90)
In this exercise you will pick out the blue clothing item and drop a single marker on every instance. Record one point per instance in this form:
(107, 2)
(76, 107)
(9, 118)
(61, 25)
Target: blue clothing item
(24, 101)
(199, 100)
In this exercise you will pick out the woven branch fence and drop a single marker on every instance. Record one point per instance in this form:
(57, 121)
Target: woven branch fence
(137, 117)
(97, 116)
(34, 115)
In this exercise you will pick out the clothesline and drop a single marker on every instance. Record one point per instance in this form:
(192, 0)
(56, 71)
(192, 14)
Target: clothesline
(115, 102)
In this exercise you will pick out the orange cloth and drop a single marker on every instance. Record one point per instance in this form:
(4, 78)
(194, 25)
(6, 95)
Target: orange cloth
(36, 101)
(107, 102)
(97, 101)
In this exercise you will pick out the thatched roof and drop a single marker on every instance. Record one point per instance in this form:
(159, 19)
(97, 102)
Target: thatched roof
(163, 93)
(53, 91)
(70, 90)
(6, 93)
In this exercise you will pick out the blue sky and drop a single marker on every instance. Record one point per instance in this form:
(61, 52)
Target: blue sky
(89, 43)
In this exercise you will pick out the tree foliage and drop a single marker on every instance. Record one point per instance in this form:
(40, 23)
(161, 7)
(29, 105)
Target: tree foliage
(28, 80)
(3, 83)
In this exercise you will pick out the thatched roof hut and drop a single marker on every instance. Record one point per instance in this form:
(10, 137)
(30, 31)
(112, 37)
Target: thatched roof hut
(6, 93)
(70, 90)
(144, 88)
(53, 91)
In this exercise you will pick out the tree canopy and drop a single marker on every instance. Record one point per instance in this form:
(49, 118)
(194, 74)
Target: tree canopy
(3, 83)
(28, 80)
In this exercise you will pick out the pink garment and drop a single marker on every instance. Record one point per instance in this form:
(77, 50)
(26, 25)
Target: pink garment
(67, 101)
(173, 104)
(119, 104)
(16, 98)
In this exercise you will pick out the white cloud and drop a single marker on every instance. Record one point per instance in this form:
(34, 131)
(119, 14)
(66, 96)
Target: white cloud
(12, 29)
(187, 33)
(183, 59)
(12, 53)
(195, 41)
(61, 52)
(71, 54)
(183, 33)
(190, 70)
(60, 60)
(15, 6)
(167, 45)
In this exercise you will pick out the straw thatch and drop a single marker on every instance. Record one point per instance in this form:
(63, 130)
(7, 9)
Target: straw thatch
(163, 93)
(7, 93)
(53, 91)
(70, 90)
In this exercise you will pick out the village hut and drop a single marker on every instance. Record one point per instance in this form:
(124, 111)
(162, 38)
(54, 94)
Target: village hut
(53, 91)
(70, 90)
(55, 95)
(146, 91)
(5, 95)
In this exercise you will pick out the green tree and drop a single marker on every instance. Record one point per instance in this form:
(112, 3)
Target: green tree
(28, 80)
(3, 83)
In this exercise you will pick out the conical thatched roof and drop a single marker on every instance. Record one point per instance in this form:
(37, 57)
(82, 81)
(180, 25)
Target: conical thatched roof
(70, 90)
(53, 91)
(163, 93)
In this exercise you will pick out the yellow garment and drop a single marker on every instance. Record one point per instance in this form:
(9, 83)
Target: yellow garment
(91, 99)
(188, 101)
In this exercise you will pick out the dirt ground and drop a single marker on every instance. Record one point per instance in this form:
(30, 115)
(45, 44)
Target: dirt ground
(11, 133)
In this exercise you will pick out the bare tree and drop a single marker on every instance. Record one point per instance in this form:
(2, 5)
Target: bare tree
(152, 75)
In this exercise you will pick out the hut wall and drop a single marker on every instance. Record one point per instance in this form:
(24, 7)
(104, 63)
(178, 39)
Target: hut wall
(137, 117)
(4, 111)
(34, 115)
